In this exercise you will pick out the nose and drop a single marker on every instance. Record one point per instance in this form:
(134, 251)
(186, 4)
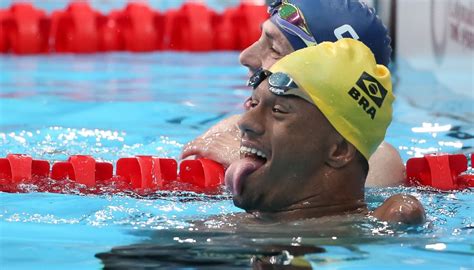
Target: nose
(251, 123)
(251, 57)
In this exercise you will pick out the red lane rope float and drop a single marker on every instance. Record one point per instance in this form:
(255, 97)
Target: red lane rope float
(111, 36)
(147, 172)
(82, 169)
(5, 17)
(140, 174)
(225, 30)
(141, 27)
(25, 29)
(190, 28)
(137, 28)
(76, 29)
(441, 171)
(237, 28)
(248, 20)
(203, 173)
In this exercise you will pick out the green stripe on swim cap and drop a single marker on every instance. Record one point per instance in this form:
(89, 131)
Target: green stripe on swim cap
(348, 87)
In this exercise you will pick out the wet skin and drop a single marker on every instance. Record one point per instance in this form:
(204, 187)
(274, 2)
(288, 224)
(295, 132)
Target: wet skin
(221, 142)
(307, 161)
(267, 50)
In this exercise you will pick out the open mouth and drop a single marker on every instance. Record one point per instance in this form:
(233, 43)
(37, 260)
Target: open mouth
(251, 159)
(252, 153)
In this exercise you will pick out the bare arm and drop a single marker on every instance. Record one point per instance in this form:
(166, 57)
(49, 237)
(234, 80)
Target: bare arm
(220, 143)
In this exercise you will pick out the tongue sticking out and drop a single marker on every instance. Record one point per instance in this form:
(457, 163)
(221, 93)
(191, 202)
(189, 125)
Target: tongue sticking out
(238, 170)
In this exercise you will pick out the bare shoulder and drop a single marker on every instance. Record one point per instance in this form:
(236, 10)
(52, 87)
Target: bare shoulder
(386, 167)
(401, 208)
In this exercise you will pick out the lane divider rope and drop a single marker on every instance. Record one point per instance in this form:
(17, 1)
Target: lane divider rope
(25, 29)
(140, 174)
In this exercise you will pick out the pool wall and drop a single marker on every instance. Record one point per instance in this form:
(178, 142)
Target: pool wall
(438, 37)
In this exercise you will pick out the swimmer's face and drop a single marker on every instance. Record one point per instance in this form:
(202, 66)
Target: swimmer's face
(271, 47)
(296, 139)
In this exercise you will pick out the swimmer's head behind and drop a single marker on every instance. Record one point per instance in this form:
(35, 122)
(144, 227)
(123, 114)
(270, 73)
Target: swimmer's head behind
(295, 24)
(306, 129)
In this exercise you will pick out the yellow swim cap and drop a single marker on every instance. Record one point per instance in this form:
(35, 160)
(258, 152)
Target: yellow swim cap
(349, 88)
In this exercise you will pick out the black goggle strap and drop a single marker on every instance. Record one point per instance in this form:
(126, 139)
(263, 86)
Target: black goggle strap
(258, 77)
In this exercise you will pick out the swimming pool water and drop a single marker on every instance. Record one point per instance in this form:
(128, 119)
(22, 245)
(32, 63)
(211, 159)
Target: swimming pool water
(119, 105)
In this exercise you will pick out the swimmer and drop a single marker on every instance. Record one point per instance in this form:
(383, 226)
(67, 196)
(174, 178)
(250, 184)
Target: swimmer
(297, 24)
(314, 119)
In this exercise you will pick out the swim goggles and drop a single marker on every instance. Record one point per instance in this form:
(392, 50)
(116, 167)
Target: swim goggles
(280, 84)
(291, 19)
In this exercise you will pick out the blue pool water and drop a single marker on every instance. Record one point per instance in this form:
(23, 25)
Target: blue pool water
(119, 105)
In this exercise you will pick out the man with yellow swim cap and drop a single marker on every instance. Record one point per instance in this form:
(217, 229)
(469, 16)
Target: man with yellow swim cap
(297, 24)
(315, 118)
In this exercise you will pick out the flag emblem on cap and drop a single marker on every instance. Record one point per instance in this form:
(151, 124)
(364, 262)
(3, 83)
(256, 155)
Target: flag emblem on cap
(372, 88)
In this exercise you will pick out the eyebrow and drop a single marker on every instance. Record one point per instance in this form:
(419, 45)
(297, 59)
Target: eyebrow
(268, 35)
(273, 39)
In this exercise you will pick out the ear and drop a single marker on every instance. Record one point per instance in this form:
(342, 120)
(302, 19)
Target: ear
(341, 153)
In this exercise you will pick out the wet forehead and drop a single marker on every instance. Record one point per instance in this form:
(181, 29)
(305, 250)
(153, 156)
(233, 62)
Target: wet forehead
(271, 31)
(297, 104)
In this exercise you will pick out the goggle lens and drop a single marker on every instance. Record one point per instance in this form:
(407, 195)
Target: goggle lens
(281, 81)
(279, 84)
(289, 17)
(290, 14)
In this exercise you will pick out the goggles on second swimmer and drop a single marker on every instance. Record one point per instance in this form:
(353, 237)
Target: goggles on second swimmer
(279, 83)
(291, 19)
